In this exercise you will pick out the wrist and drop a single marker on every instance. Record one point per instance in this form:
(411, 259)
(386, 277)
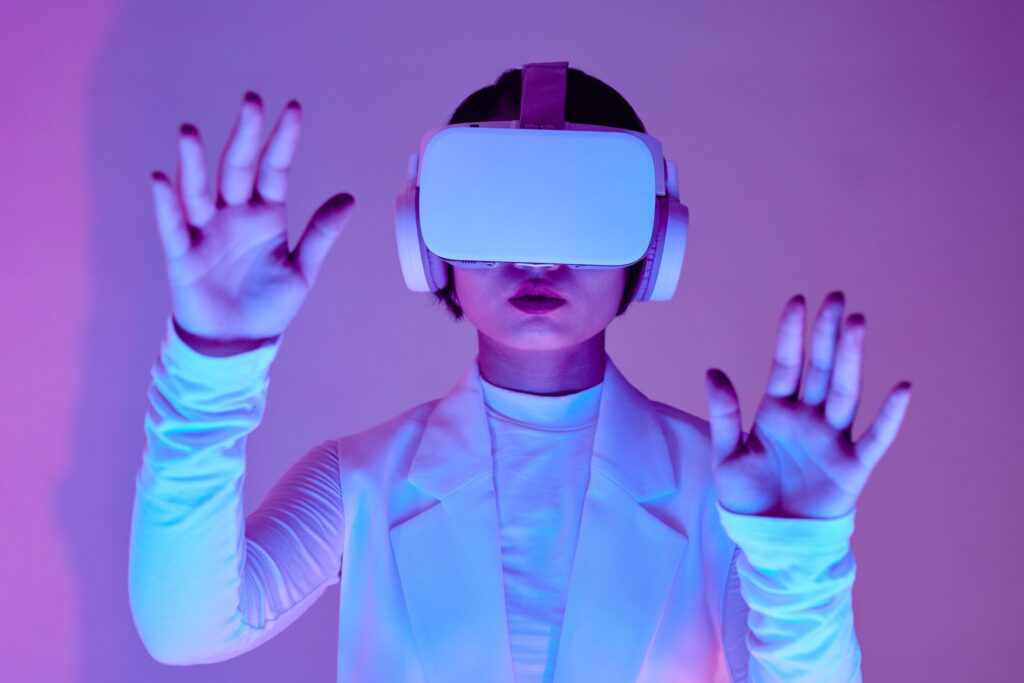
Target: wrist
(219, 348)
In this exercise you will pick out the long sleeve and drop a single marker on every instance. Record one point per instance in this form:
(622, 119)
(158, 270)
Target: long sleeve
(205, 584)
(796, 577)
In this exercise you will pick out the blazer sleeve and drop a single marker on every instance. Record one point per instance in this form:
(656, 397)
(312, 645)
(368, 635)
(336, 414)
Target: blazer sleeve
(796, 578)
(204, 583)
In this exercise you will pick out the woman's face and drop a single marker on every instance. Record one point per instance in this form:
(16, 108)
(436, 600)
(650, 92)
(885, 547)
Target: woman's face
(591, 298)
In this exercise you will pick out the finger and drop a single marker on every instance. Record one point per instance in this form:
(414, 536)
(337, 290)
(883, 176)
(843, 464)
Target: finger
(276, 159)
(169, 219)
(193, 184)
(723, 415)
(844, 387)
(823, 349)
(873, 445)
(322, 230)
(784, 378)
(238, 162)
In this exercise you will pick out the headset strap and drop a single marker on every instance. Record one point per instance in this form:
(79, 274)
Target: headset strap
(543, 97)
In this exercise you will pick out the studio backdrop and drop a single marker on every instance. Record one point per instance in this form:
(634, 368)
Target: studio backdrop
(872, 147)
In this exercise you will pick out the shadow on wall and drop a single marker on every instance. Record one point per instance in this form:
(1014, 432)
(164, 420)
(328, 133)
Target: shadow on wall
(164, 64)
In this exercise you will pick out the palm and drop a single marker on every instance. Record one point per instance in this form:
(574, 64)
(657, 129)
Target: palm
(241, 271)
(798, 459)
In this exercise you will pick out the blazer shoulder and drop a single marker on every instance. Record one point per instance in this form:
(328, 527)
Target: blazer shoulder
(405, 427)
(410, 417)
(688, 437)
(678, 419)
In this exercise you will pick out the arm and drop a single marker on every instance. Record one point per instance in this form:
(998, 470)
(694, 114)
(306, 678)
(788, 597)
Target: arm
(796, 578)
(787, 492)
(205, 584)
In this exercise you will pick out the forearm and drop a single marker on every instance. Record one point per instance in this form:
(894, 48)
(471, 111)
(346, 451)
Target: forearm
(796, 576)
(188, 547)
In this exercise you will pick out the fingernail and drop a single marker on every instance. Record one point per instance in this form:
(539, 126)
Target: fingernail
(252, 97)
(339, 201)
(856, 319)
(188, 129)
(157, 175)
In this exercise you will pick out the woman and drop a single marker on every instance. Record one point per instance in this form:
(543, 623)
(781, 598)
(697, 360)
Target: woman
(542, 521)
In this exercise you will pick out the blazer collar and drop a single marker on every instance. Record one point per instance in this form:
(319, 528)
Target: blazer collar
(629, 445)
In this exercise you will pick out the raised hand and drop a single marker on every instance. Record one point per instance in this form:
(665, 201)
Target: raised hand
(798, 459)
(233, 279)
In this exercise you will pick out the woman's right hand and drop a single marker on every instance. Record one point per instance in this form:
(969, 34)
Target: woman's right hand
(234, 283)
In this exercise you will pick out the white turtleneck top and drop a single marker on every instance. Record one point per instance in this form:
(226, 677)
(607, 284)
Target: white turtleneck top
(541, 447)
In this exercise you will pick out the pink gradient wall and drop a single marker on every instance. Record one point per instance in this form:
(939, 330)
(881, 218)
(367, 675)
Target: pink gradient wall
(873, 147)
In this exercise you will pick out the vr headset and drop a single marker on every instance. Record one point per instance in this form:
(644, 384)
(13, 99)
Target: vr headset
(540, 191)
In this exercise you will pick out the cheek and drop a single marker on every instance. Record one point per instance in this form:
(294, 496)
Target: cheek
(462, 287)
(601, 296)
(619, 286)
(472, 287)
(611, 288)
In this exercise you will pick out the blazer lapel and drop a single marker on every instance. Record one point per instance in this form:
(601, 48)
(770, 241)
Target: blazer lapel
(449, 555)
(626, 558)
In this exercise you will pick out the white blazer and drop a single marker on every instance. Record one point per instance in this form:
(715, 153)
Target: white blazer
(651, 596)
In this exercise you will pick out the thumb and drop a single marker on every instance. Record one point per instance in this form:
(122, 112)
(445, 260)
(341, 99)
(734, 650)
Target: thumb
(723, 415)
(322, 230)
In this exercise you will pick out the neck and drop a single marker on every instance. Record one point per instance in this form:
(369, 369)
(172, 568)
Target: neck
(552, 372)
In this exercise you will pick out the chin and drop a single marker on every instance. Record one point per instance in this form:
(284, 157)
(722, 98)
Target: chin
(528, 340)
(542, 345)
(537, 340)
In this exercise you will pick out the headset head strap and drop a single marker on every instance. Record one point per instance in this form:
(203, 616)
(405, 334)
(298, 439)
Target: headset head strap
(543, 97)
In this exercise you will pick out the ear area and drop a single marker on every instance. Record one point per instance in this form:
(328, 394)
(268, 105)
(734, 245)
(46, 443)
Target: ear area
(422, 270)
(665, 258)
(670, 266)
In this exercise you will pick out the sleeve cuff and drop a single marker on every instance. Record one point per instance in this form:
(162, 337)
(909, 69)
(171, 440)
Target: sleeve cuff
(771, 541)
(215, 375)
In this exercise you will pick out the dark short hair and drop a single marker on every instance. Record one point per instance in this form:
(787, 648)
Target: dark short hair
(588, 100)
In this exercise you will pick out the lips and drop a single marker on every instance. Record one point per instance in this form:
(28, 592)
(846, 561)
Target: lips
(532, 297)
(536, 304)
(536, 291)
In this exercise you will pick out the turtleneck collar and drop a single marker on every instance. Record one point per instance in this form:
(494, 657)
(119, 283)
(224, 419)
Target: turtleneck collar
(569, 411)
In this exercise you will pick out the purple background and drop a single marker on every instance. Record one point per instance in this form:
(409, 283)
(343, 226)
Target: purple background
(873, 147)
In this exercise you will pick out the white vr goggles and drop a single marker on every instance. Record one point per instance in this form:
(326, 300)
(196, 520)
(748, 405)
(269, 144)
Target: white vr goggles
(541, 191)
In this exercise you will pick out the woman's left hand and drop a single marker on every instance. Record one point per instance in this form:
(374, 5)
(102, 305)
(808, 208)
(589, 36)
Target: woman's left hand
(798, 459)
